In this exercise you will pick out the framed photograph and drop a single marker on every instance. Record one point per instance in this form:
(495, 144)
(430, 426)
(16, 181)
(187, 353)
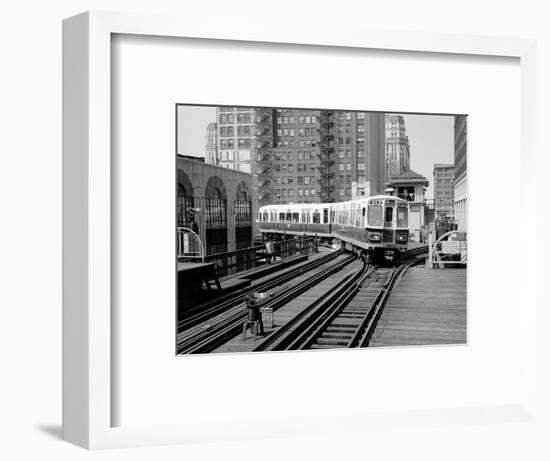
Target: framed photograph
(263, 190)
(309, 229)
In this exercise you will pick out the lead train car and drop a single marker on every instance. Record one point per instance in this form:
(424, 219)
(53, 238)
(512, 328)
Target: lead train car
(377, 225)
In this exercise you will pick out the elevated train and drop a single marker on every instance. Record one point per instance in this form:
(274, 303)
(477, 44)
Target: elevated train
(376, 226)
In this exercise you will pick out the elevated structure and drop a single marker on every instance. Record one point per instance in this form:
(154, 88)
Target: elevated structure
(216, 203)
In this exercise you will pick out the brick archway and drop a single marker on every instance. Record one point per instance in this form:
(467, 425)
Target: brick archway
(215, 188)
(185, 186)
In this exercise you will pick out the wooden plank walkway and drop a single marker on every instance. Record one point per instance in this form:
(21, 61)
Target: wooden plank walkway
(427, 307)
(290, 310)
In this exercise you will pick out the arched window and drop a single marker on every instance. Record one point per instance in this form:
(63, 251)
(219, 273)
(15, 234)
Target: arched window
(184, 201)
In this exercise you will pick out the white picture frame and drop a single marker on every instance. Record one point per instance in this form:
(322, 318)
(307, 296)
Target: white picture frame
(87, 360)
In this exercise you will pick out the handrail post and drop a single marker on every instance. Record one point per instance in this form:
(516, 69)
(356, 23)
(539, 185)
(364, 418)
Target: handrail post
(430, 254)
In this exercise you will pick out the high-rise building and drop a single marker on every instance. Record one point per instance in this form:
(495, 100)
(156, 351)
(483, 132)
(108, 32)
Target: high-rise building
(397, 146)
(211, 150)
(303, 155)
(460, 172)
(444, 190)
(327, 156)
(296, 176)
(235, 134)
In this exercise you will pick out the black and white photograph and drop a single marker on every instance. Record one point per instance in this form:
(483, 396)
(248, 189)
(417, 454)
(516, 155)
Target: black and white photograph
(301, 229)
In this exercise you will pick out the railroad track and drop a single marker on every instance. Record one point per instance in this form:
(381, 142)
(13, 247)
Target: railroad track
(345, 319)
(211, 309)
(414, 252)
(207, 337)
(208, 310)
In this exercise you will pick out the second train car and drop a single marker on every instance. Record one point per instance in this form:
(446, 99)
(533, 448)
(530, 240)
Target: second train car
(375, 226)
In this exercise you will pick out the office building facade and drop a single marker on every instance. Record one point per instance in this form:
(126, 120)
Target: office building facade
(444, 190)
(303, 155)
(460, 172)
(398, 150)
(235, 137)
(211, 145)
(327, 156)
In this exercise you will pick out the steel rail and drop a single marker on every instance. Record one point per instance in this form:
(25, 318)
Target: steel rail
(368, 325)
(207, 339)
(288, 336)
(308, 326)
(218, 306)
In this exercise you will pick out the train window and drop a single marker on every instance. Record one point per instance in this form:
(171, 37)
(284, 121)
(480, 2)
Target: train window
(363, 215)
(288, 217)
(316, 217)
(388, 216)
(402, 216)
(374, 215)
(332, 213)
(325, 216)
(295, 217)
(281, 217)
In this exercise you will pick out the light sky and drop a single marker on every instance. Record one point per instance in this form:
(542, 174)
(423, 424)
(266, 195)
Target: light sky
(192, 123)
(431, 137)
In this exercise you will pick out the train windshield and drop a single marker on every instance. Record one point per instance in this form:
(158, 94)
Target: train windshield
(388, 216)
(402, 217)
(374, 216)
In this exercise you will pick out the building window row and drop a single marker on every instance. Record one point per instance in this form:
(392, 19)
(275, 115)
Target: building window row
(285, 168)
(227, 118)
(344, 116)
(290, 192)
(306, 180)
(244, 143)
(301, 167)
(244, 117)
(301, 143)
(306, 167)
(244, 130)
(301, 155)
(227, 131)
(235, 156)
(344, 154)
(285, 132)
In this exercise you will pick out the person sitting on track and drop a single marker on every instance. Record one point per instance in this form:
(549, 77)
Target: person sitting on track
(254, 313)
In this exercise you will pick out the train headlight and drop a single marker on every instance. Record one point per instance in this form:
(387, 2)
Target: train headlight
(402, 237)
(375, 237)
